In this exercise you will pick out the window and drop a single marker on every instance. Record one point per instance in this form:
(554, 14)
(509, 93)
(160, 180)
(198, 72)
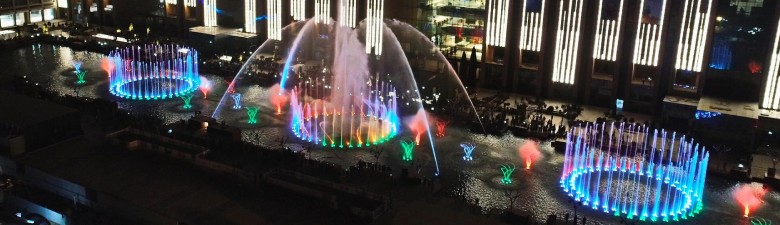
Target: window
(7, 20)
(62, 3)
(48, 14)
(20, 19)
(36, 16)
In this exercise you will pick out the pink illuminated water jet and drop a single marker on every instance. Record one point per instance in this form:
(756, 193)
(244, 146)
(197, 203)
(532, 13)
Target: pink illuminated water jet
(529, 153)
(749, 196)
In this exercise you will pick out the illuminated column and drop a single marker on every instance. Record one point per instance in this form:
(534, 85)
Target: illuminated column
(347, 13)
(647, 44)
(567, 40)
(498, 11)
(693, 35)
(250, 16)
(275, 20)
(375, 26)
(322, 11)
(298, 10)
(607, 35)
(771, 99)
(210, 13)
(531, 28)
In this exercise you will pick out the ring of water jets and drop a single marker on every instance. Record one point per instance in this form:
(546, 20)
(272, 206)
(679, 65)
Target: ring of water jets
(152, 72)
(627, 170)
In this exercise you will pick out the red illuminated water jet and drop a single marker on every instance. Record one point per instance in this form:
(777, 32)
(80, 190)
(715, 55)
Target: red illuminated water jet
(417, 125)
(749, 196)
(441, 125)
(106, 65)
(278, 98)
(529, 153)
(205, 86)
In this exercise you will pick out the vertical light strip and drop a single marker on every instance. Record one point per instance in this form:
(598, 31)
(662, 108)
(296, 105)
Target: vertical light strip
(298, 10)
(210, 13)
(191, 3)
(250, 16)
(771, 100)
(375, 26)
(275, 20)
(693, 36)
(498, 11)
(322, 11)
(607, 34)
(347, 13)
(531, 28)
(567, 41)
(648, 40)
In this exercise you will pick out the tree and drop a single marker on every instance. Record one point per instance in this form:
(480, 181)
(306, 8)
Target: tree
(512, 195)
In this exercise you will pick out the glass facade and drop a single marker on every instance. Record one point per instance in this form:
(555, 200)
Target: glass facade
(456, 24)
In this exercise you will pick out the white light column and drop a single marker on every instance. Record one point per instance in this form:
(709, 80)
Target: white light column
(210, 13)
(607, 35)
(375, 26)
(322, 11)
(693, 35)
(298, 10)
(250, 16)
(647, 45)
(531, 28)
(347, 13)
(771, 99)
(567, 41)
(498, 12)
(275, 20)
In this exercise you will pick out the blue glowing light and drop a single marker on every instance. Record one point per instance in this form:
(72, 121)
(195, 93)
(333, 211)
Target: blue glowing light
(468, 150)
(236, 100)
(153, 72)
(706, 114)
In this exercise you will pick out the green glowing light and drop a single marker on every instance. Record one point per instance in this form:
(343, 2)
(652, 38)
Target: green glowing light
(408, 147)
(80, 75)
(507, 170)
(252, 113)
(760, 221)
(187, 99)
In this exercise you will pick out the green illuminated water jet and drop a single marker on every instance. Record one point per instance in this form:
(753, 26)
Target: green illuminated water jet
(507, 170)
(408, 147)
(81, 75)
(187, 99)
(252, 113)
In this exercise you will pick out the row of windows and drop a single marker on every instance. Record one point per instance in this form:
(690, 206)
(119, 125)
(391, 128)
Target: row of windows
(18, 18)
